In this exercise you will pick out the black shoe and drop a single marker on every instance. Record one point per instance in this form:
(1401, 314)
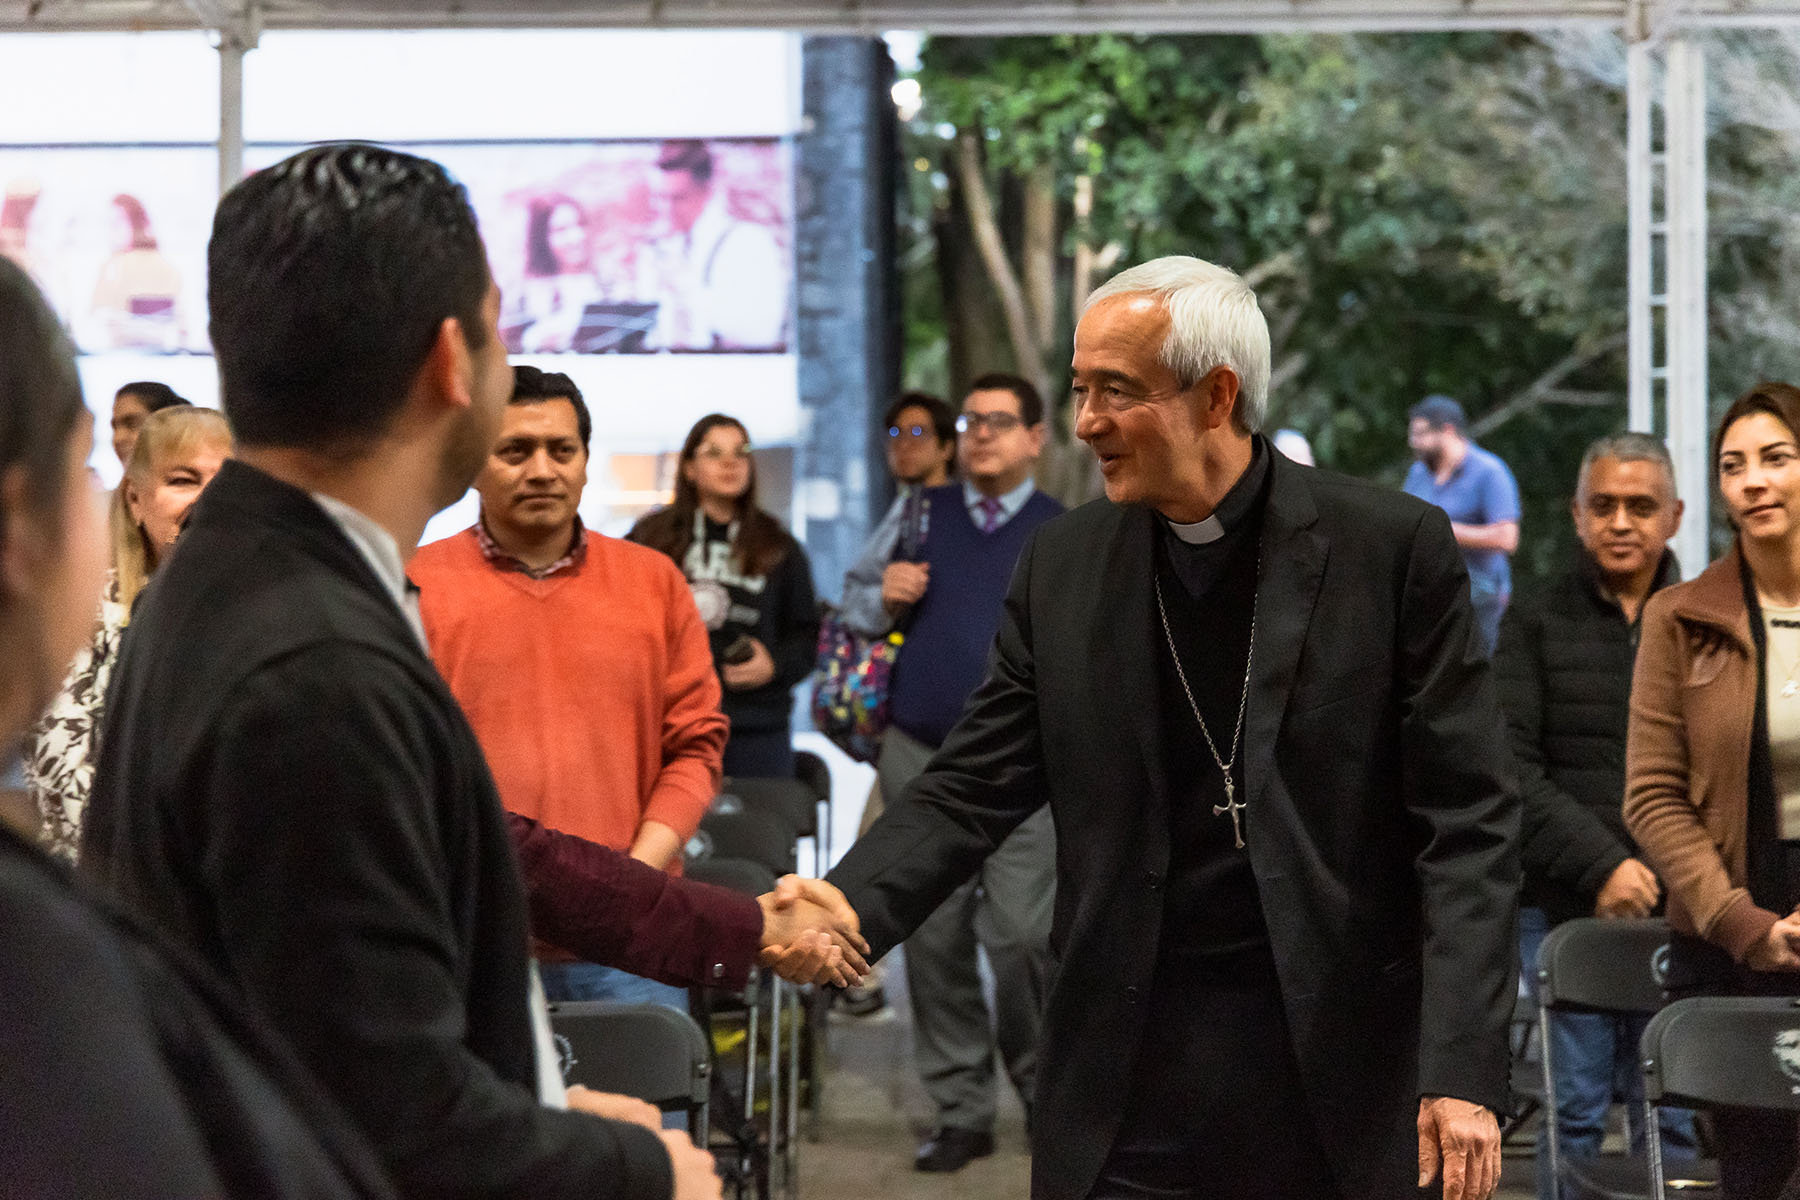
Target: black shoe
(952, 1149)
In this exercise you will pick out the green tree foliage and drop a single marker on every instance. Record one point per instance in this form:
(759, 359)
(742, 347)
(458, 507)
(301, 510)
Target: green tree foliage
(1419, 213)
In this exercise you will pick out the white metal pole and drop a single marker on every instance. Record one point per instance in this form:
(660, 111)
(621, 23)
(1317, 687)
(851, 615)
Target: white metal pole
(1685, 147)
(233, 45)
(1640, 180)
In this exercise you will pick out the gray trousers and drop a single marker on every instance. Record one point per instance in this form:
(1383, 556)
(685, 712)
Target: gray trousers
(1006, 909)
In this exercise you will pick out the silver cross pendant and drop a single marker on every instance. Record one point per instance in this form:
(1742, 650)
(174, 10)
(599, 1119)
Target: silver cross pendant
(1234, 807)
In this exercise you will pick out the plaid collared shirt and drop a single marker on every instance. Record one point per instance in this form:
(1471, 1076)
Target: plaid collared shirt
(490, 550)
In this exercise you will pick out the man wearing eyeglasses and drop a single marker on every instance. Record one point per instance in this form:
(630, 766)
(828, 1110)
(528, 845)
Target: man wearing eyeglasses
(1564, 666)
(974, 531)
(920, 446)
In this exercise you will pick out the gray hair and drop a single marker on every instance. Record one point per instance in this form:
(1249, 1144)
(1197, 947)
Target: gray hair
(1214, 321)
(1627, 447)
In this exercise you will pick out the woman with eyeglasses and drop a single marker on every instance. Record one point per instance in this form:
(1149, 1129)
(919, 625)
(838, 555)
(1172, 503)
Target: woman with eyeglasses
(753, 584)
(1712, 787)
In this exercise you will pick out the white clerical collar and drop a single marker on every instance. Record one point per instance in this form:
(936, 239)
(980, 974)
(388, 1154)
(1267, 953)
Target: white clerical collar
(1200, 532)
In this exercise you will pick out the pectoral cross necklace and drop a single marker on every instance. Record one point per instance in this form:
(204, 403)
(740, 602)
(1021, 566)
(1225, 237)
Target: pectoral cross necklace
(1232, 804)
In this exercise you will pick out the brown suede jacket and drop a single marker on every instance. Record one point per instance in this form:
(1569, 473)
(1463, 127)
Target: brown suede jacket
(1687, 757)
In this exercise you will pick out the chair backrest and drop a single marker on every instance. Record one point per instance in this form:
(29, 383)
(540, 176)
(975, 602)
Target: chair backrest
(648, 1051)
(732, 829)
(1604, 966)
(1724, 1050)
(788, 799)
(738, 874)
(811, 770)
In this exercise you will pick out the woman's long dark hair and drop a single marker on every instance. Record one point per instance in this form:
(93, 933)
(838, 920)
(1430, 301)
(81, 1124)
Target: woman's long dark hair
(761, 541)
(540, 259)
(40, 392)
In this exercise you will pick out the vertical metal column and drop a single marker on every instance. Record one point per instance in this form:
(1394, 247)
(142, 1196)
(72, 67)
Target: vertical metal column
(1666, 243)
(232, 48)
(1685, 181)
(1640, 184)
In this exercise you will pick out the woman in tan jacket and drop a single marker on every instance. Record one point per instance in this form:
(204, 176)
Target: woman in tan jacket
(1712, 791)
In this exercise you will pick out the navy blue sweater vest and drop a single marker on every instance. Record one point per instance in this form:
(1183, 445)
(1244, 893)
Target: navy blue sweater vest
(946, 651)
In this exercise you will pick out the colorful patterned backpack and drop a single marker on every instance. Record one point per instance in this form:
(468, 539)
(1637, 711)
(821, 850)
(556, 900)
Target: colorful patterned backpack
(851, 672)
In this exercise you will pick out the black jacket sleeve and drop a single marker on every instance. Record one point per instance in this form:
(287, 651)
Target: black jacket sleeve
(1468, 864)
(986, 779)
(333, 831)
(1561, 840)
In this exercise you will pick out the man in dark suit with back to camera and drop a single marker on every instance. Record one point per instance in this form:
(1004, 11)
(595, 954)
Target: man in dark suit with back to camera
(288, 787)
(1283, 952)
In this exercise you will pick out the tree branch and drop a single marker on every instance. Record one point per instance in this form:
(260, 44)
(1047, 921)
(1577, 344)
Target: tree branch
(1037, 255)
(980, 206)
(1542, 388)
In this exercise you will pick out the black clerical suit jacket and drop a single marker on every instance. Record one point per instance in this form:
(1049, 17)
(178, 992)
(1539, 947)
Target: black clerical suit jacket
(1381, 826)
(287, 787)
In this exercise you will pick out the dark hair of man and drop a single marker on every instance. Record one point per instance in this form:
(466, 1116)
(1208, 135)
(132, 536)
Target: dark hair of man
(690, 156)
(330, 274)
(1031, 405)
(761, 542)
(1778, 400)
(40, 392)
(152, 395)
(1440, 412)
(532, 386)
(943, 420)
(1628, 447)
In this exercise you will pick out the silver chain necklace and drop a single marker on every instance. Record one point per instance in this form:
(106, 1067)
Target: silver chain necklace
(1232, 805)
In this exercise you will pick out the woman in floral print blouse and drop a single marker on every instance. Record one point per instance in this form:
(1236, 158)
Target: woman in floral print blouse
(177, 454)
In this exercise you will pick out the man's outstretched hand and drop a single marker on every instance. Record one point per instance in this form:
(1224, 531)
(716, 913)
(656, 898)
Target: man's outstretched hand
(1462, 1141)
(811, 934)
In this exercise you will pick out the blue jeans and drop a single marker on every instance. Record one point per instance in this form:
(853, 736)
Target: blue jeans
(591, 981)
(1593, 1058)
(1489, 607)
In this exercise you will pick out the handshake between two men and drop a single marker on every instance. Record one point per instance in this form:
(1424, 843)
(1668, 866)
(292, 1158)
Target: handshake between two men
(605, 907)
(608, 908)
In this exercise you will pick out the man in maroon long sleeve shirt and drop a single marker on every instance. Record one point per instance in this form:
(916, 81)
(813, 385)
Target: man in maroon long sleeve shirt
(612, 909)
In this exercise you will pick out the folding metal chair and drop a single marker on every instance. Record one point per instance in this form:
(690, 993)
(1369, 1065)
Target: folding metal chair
(1612, 967)
(788, 800)
(744, 848)
(811, 770)
(1720, 1051)
(648, 1051)
(795, 804)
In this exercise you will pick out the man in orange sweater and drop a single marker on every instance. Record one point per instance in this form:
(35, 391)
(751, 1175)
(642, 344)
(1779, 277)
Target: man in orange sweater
(580, 660)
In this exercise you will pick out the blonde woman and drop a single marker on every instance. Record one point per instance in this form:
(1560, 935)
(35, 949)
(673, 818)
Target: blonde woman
(177, 454)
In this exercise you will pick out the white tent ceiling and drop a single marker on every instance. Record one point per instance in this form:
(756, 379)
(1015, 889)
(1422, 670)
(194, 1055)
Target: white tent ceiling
(874, 16)
(1653, 29)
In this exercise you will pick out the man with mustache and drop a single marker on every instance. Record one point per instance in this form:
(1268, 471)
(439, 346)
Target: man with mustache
(1564, 668)
(581, 661)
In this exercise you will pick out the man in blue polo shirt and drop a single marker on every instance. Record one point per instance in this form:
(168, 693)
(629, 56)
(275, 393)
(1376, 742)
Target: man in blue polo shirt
(1478, 492)
(951, 602)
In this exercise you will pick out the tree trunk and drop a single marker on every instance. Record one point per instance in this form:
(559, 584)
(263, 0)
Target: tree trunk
(974, 333)
(992, 247)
